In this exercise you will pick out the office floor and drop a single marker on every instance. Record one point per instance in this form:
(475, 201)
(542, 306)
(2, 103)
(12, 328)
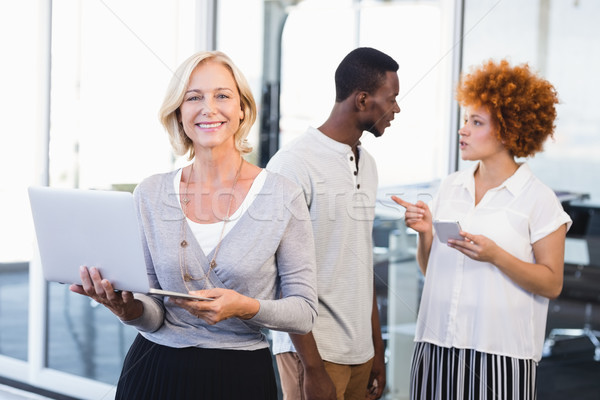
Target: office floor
(570, 372)
(10, 393)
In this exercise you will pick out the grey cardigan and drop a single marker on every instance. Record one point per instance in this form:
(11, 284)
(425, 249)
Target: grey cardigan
(268, 255)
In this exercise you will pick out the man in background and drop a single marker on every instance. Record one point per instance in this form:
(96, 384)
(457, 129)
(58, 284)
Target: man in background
(343, 357)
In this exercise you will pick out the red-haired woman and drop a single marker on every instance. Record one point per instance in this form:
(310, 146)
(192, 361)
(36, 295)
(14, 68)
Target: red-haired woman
(482, 317)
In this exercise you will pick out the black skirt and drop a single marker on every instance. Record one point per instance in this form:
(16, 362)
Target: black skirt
(152, 371)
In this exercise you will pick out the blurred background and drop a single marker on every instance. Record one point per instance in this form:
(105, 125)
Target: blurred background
(80, 87)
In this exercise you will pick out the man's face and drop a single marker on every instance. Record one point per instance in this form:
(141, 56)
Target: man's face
(382, 105)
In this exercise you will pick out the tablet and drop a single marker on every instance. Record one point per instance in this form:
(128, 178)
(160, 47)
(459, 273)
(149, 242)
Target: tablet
(445, 230)
(98, 228)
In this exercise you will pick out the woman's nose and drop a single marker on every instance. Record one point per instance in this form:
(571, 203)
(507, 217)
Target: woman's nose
(207, 107)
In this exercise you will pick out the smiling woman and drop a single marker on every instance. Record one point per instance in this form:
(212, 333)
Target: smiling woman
(211, 111)
(220, 228)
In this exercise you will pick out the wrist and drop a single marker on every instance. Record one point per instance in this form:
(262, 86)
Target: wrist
(315, 367)
(133, 312)
(250, 308)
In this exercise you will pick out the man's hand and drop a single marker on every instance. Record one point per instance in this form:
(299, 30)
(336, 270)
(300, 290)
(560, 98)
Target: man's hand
(318, 385)
(376, 381)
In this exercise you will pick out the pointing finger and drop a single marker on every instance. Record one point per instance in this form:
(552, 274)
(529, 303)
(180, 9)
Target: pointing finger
(401, 202)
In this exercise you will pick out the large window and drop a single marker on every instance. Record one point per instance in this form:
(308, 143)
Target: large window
(417, 35)
(110, 64)
(110, 68)
(561, 40)
(21, 102)
(90, 75)
(412, 153)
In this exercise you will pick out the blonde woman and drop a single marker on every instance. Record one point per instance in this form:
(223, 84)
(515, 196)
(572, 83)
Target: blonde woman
(220, 228)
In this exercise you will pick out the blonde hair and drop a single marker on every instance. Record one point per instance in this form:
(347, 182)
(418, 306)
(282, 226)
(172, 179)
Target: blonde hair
(169, 111)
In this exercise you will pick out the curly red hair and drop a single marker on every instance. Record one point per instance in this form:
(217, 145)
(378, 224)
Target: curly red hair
(521, 104)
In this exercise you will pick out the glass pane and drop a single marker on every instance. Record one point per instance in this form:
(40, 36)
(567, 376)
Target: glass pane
(417, 136)
(19, 107)
(110, 69)
(84, 338)
(560, 39)
(14, 298)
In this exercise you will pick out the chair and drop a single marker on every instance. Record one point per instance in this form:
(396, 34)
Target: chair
(582, 278)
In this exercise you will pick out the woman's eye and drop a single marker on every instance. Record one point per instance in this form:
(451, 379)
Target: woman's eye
(222, 96)
(193, 98)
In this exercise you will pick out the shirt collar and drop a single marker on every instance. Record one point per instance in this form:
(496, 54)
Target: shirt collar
(517, 181)
(514, 184)
(338, 147)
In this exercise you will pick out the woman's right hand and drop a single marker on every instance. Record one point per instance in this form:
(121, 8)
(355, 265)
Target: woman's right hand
(122, 304)
(417, 216)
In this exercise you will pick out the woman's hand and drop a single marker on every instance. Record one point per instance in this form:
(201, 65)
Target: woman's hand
(417, 216)
(226, 304)
(476, 247)
(122, 304)
(544, 277)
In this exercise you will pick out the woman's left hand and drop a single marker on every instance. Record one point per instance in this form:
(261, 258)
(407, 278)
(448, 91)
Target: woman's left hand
(476, 247)
(226, 304)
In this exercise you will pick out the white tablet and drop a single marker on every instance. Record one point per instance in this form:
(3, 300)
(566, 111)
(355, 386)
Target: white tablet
(447, 230)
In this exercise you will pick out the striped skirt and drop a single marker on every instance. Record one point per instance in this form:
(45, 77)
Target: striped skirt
(155, 372)
(440, 373)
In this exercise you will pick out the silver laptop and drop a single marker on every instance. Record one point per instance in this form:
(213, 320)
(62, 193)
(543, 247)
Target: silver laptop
(94, 228)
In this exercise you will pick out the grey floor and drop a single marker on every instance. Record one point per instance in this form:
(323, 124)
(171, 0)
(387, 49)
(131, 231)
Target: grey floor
(10, 393)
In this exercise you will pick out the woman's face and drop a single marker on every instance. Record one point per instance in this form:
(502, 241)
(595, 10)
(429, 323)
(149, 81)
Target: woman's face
(211, 110)
(478, 140)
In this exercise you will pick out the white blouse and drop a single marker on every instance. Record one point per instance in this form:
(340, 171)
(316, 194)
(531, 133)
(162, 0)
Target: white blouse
(472, 304)
(208, 235)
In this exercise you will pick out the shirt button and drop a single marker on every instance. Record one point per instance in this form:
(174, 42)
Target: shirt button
(358, 186)
(351, 158)
(355, 173)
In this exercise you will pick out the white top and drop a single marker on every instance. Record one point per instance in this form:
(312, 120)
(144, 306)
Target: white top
(341, 200)
(472, 304)
(208, 235)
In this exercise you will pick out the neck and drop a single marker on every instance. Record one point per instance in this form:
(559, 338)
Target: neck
(342, 126)
(497, 170)
(216, 171)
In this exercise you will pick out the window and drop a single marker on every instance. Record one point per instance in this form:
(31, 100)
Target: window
(413, 151)
(559, 39)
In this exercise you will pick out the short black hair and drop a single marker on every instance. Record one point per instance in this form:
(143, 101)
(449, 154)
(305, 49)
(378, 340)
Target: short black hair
(363, 69)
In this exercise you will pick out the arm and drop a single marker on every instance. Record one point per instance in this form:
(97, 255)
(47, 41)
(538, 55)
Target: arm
(317, 383)
(423, 249)
(377, 378)
(544, 277)
(418, 217)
